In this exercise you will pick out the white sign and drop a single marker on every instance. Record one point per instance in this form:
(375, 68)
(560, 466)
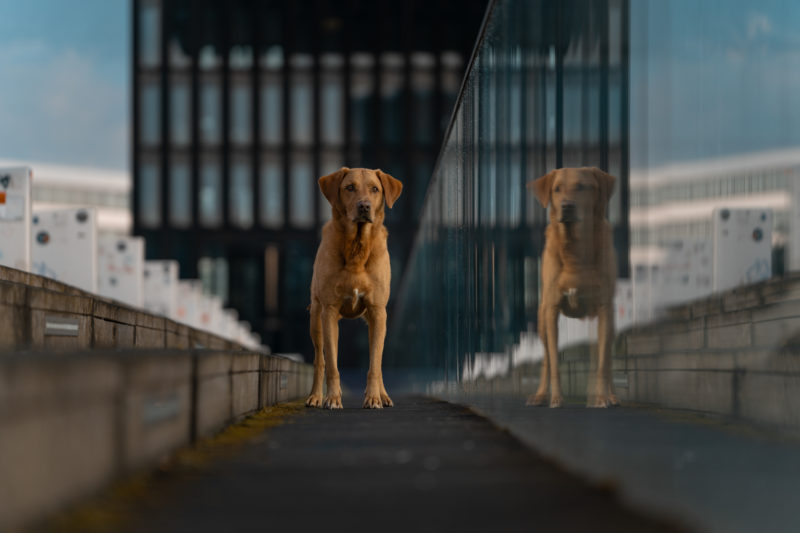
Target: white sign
(161, 287)
(15, 217)
(121, 269)
(190, 293)
(685, 272)
(64, 246)
(742, 246)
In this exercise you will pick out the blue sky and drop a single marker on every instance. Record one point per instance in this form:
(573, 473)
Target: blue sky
(65, 66)
(712, 78)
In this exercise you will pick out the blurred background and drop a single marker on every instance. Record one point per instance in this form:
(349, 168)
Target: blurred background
(198, 129)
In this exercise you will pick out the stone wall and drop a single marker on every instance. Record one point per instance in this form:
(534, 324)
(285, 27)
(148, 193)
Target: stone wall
(70, 423)
(735, 354)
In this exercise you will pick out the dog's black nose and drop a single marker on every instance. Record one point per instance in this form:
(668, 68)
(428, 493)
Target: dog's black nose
(363, 207)
(568, 211)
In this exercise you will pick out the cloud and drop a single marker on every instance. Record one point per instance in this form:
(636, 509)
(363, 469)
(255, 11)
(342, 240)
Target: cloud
(758, 24)
(56, 105)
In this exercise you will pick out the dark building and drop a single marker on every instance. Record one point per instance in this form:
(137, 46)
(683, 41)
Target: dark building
(238, 108)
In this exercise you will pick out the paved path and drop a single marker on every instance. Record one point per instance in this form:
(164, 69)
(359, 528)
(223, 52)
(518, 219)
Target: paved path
(422, 466)
(718, 475)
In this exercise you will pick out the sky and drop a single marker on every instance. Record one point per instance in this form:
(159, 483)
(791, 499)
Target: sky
(713, 78)
(65, 67)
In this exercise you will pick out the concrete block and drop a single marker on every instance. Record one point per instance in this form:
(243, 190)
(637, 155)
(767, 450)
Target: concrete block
(729, 319)
(53, 301)
(157, 406)
(57, 433)
(706, 307)
(778, 310)
(699, 390)
(638, 344)
(770, 398)
(739, 299)
(111, 335)
(776, 333)
(71, 331)
(214, 406)
(149, 338)
(177, 335)
(689, 340)
(150, 321)
(735, 336)
(245, 383)
(199, 339)
(108, 310)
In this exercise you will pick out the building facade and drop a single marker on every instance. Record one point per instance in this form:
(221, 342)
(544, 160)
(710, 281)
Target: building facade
(238, 108)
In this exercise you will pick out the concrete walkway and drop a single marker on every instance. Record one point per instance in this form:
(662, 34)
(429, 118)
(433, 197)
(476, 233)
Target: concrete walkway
(424, 465)
(715, 474)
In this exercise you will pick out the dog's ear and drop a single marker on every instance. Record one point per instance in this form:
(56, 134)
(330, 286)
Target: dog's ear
(541, 187)
(605, 182)
(391, 187)
(329, 185)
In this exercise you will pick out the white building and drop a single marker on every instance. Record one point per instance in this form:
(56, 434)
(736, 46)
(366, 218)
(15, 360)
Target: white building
(62, 186)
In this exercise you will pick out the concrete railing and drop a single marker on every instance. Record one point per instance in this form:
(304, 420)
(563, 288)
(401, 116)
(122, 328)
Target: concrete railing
(736, 354)
(70, 423)
(37, 312)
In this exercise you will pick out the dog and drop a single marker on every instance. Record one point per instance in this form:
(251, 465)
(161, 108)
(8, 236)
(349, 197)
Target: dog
(351, 278)
(579, 273)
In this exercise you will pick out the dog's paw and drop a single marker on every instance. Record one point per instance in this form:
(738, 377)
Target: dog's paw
(613, 401)
(333, 401)
(314, 400)
(602, 401)
(556, 401)
(539, 399)
(373, 401)
(387, 402)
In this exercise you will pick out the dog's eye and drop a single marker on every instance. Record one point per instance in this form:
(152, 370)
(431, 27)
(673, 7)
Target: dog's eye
(558, 188)
(374, 189)
(350, 187)
(579, 187)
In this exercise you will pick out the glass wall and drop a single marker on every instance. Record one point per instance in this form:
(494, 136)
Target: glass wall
(690, 107)
(538, 96)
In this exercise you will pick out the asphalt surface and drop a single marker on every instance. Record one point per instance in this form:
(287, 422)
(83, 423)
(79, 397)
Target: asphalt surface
(424, 465)
(711, 473)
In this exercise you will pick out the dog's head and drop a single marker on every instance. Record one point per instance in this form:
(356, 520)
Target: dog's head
(358, 193)
(574, 193)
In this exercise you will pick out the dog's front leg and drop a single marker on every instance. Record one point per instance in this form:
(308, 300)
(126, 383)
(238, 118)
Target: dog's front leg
(375, 396)
(330, 334)
(315, 397)
(540, 398)
(604, 392)
(551, 353)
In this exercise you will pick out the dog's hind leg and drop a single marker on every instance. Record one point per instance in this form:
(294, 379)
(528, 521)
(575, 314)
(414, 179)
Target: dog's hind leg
(315, 397)
(330, 336)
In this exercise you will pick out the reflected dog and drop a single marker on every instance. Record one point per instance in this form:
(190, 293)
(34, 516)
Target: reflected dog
(351, 278)
(578, 273)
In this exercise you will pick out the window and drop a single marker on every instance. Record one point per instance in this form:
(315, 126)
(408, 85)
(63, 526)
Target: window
(180, 111)
(149, 33)
(210, 114)
(332, 100)
(240, 197)
(271, 109)
(180, 193)
(302, 101)
(422, 86)
(301, 198)
(149, 193)
(150, 110)
(210, 192)
(271, 200)
(240, 110)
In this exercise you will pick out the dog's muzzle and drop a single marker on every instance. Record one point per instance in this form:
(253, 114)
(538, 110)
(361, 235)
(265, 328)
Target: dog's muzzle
(364, 212)
(569, 213)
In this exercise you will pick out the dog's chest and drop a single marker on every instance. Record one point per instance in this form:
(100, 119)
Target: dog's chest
(578, 302)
